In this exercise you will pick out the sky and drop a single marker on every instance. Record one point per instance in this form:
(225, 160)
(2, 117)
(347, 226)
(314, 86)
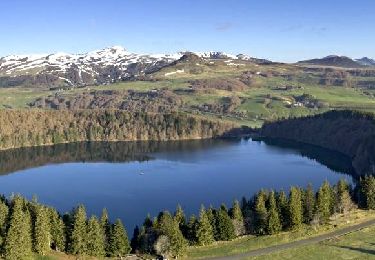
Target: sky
(281, 30)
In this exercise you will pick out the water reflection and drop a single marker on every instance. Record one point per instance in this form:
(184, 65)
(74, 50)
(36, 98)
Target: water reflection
(114, 152)
(335, 161)
(119, 152)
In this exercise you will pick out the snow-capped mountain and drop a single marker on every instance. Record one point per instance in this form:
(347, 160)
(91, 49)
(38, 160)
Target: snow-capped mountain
(97, 67)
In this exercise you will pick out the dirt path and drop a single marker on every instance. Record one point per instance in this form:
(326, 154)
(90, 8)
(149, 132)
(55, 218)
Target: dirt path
(303, 242)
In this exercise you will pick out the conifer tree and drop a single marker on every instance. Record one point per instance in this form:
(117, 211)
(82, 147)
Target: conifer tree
(367, 188)
(42, 235)
(308, 204)
(4, 214)
(237, 219)
(57, 229)
(106, 227)
(295, 208)
(191, 230)
(18, 243)
(95, 238)
(343, 200)
(205, 234)
(274, 224)
(236, 212)
(179, 216)
(224, 225)
(283, 208)
(134, 242)
(169, 227)
(119, 242)
(78, 240)
(324, 202)
(210, 212)
(260, 213)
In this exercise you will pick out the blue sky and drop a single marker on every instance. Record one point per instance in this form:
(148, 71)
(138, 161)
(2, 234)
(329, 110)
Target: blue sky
(283, 30)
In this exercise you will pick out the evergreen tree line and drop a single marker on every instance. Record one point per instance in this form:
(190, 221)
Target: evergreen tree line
(28, 227)
(268, 212)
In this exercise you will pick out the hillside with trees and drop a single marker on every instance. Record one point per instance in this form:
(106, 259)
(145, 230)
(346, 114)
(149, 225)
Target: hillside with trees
(28, 227)
(349, 132)
(23, 128)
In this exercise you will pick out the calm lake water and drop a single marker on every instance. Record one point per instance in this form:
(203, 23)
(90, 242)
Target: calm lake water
(136, 178)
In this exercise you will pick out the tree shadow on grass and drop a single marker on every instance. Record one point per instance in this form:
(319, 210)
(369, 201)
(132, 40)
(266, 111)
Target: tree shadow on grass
(362, 250)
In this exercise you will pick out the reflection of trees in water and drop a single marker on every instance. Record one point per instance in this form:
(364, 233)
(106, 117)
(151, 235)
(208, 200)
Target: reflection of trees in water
(118, 152)
(115, 152)
(335, 161)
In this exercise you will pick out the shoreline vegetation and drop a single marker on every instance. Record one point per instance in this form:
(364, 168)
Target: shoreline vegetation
(29, 128)
(351, 133)
(28, 227)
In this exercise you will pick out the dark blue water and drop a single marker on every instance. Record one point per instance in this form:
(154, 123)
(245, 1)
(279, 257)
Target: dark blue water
(134, 179)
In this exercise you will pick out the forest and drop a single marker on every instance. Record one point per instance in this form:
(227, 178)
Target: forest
(349, 132)
(28, 227)
(25, 128)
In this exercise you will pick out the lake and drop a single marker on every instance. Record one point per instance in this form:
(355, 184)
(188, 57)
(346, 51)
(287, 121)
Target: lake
(132, 179)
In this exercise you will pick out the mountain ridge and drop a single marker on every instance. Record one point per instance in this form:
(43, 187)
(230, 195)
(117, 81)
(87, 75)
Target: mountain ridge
(340, 61)
(102, 66)
(113, 64)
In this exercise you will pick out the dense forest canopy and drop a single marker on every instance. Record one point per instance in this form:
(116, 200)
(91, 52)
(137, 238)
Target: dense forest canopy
(20, 128)
(349, 132)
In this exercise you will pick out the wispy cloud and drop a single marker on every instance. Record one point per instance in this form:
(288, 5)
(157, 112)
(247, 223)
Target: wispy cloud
(223, 27)
(308, 29)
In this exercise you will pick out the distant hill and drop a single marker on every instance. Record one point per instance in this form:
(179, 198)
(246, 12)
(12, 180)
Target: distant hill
(334, 60)
(366, 61)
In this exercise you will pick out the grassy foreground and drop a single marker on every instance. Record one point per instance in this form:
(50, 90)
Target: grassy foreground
(357, 245)
(249, 243)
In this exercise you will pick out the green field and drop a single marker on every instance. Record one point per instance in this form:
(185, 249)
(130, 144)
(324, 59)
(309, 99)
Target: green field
(357, 245)
(262, 100)
(249, 243)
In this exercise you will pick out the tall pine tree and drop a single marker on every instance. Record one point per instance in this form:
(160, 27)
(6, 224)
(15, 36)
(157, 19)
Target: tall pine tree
(18, 243)
(78, 240)
(95, 238)
(324, 202)
(295, 208)
(179, 216)
(237, 219)
(308, 204)
(224, 225)
(191, 230)
(205, 234)
(168, 227)
(4, 214)
(57, 229)
(367, 188)
(261, 213)
(274, 224)
(283, 208)
(42, 234)
(119, 241)
(343, 202)
(106, 227)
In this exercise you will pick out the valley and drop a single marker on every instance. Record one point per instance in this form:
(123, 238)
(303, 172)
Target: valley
(132, 129)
